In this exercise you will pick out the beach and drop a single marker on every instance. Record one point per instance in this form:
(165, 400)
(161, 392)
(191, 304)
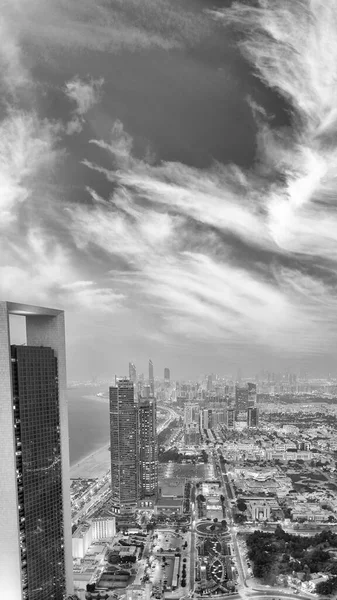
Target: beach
(89, 432)
(92, 466)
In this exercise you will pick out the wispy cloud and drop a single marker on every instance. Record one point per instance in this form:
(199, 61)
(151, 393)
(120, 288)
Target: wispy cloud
(105, 27)
(85, 94)
(243, 257)
(28, 152)
(181, 229)
(293, 48)
(33, 257)
(14, 74)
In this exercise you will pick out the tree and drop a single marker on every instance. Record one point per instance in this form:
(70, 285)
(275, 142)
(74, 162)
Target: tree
(242, 506)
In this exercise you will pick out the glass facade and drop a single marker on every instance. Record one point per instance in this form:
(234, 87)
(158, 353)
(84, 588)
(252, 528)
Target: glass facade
(39, 471)
(251, 394)
(241, 398)
(124, 446)
(148, 448)
(151, 378)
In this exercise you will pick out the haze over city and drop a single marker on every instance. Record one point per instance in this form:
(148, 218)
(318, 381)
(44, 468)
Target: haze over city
(168, 178)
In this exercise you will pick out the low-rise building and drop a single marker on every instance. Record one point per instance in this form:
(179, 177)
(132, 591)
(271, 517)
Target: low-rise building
(169, 506)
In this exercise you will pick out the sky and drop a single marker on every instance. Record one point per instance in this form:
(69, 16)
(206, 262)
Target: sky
(168, 178)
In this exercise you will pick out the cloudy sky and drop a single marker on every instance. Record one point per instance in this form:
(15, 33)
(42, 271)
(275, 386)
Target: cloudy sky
(168, 176)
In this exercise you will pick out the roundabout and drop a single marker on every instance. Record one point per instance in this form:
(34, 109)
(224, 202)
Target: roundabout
(208, 528)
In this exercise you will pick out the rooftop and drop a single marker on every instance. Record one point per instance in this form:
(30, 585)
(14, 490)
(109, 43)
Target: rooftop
(28, 310)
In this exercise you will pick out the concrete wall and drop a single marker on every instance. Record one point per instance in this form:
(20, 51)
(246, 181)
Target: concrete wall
(10, 563)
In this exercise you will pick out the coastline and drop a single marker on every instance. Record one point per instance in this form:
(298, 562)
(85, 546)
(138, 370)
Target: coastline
(94, 398)
(93, 466)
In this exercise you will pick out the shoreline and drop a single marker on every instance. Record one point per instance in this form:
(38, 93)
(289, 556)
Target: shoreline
(93, 465)
(94, 398)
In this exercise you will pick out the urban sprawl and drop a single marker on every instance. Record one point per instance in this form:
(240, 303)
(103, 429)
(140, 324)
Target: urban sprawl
(218, 488)
(222, 487)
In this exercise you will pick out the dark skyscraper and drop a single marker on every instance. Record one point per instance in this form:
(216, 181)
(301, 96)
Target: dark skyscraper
(253, 417)
(148, 449)
(167, 377)
(35, 525)
(251, 394)
(241, 398)
(132, 373)
(124, 446)
(151, 377)
(38, 463)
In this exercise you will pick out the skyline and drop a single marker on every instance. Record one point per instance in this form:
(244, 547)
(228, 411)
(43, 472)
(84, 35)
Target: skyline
(167, 179)
(185, 465)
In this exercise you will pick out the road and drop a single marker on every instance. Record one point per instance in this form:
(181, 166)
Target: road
(192, 553)
(172, 416)
(230, 520)
(76, 517)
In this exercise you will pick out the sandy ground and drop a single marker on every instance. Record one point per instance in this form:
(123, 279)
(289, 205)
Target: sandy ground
(92, 466)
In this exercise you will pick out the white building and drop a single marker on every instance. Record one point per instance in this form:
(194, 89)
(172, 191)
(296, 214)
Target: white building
(103, 528)
(81, 540)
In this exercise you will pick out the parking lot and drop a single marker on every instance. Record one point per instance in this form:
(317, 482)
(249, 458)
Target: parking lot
(168, 540)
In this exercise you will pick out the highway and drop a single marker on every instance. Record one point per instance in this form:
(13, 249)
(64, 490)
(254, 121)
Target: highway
(91, 503)
(172, 416)
(192, 553)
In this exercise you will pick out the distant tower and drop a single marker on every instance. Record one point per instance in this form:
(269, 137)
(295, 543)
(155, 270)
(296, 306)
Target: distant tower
(132, 373)
(124, 446)
(148, 448)
(151, 377)
(167, 377)
(251, 394)
(253, 417)
(209, 383)
(35, 521)
(146, 391)
(239, 376)
(241, 398)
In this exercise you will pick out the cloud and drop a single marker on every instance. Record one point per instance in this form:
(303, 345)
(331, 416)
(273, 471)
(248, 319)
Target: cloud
(293, 49)
(34, 258)
(85, 94)
(79, 25)
(45, 272)
(243, 258)
(14, 74)
(227, 254)
(28, 151)
(198, 294)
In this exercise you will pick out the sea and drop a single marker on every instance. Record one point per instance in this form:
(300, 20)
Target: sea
(88, 422)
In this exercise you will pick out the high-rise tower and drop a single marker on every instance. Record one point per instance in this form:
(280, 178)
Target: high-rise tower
(35, 520)
(132, 373)
(241, 398)
(148, 448)
(151, 377)
(124, 446)
(167, 377)
(252, 395)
